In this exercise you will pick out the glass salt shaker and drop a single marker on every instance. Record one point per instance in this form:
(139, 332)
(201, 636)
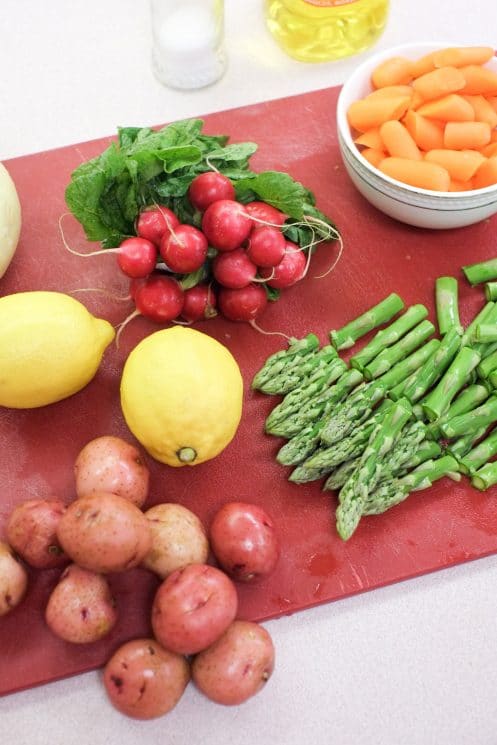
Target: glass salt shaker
(188, 42)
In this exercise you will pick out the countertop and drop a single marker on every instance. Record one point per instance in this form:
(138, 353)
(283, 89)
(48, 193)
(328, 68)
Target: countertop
(414, 662)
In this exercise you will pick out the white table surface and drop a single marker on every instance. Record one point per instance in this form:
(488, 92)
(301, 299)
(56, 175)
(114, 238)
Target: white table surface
(413, 663)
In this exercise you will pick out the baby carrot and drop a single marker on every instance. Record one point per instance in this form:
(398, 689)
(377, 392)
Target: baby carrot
(451, 108)
(466, 135)
(484, 112)
(461, 56)
(479, 81)
(492, 100)
(426, 133)
(486, 175)
(423, 65)
(393, 71)
(373, 156)
(391, 90)
(371, 138)
(398, 142)
(489, 150)
(439, 83)
(461, 164)
(418, 173)
(461, 185)
(368, 113)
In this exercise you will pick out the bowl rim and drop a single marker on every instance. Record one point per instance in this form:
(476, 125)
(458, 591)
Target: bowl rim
(346, 137)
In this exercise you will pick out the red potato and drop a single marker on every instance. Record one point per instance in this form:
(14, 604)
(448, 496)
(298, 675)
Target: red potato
(110, 464)
(104, 533)
(145, 681)
(81, 608)
(13, 579)
(192, 608)
(178, 539)
(244, 541)
(237, 665)
(32, 532)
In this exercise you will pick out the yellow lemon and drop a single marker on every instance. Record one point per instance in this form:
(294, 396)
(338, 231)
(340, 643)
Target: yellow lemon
(181, 395)
(50, 347)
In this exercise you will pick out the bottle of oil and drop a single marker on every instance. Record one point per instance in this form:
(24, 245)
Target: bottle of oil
(323, 30)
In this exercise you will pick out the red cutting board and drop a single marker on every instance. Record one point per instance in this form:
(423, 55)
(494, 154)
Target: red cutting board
(444, 525)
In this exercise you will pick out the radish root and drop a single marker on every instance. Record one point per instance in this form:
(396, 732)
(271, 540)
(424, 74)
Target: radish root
(268, 333)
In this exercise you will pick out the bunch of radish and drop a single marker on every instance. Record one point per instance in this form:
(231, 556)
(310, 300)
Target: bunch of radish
(241, 249)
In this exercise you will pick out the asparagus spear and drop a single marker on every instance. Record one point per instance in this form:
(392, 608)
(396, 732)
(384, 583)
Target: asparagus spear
(453, 380)
(284, 359)
(306, 369)
(467, 337)
(398, 390)
(447, 304)
(316, 406)
(427, 450)
(479, 455)
(483, 271)
(491, 291)
(467, 400)
(435, 366)
(407, 443)
(302, 475)
(388, 336)
(350, 446)
(407, 366)
(354, 409)
(460, 447)
(323, 375)
(346, 337)
(341, 474)
(487, 365)
(300, 447)
(486, 476)
(482, 346)
(391, 355)
(393, 492)
(482, 416)
(355, 491)
(486, 333)
(492, 379)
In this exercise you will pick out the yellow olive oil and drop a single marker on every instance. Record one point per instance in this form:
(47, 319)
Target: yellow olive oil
(323, 30)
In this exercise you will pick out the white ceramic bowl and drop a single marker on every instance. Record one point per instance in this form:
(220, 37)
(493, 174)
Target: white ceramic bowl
(421, 207)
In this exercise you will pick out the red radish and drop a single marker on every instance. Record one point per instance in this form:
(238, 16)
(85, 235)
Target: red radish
(200, 303)
(209, 187)
(244, 304)
(159, 298)
(184, 249)
(134, 285)
(266, 246)
(290, 269)
(137, 257)
(226, 224)
(234, 269)
(153, 223)
(265, 212)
